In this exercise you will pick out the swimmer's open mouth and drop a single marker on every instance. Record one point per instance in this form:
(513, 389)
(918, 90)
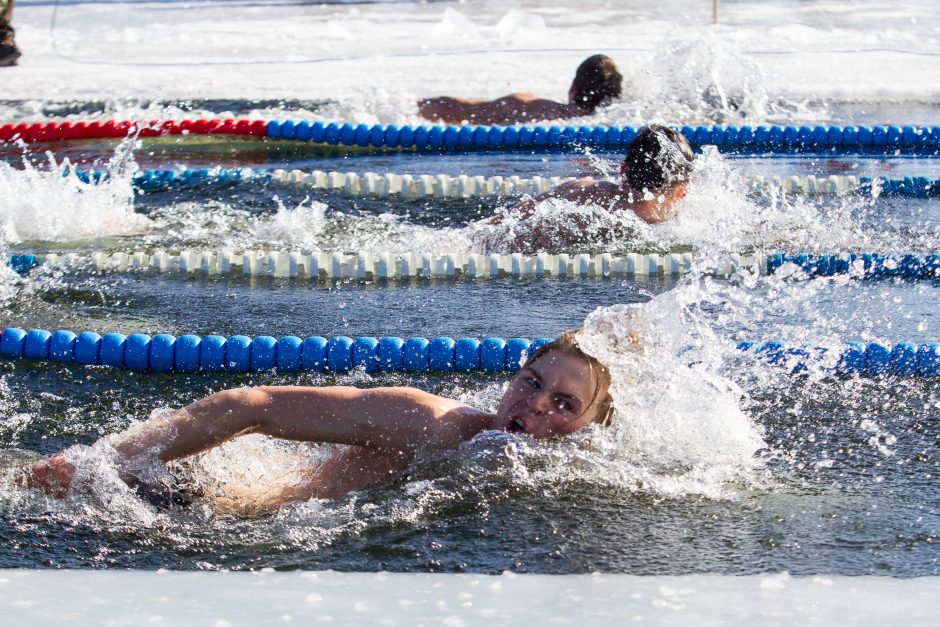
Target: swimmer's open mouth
(516, 426)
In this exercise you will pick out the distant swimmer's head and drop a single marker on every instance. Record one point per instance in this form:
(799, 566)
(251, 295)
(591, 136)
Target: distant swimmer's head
(559, 390)
(658, 160)
(596, 83)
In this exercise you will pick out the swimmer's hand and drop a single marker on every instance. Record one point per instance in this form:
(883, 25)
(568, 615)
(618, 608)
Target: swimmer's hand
(53, 476)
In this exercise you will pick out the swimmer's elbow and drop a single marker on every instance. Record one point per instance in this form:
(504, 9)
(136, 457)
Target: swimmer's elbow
(247, 406)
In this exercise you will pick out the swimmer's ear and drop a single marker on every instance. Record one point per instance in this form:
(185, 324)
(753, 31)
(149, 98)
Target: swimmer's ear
(680, 190)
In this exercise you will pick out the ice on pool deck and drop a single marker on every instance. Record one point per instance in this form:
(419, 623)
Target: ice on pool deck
(40, 598)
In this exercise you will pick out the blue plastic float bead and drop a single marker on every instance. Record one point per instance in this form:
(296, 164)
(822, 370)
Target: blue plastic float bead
(761, 136)
(910, 267)
(111, 352)
(480, 136)
(263, 353)
(466, 354)
(392, 136)
(717, 135)
(331, 134)
(339, 354)
(732, 136)
(516, 348)
(614, 137)
(909, 136)
(553, 136)
(237, 353)
(436, 137)
(879, 136)
(303, 131)
(852, 359)
(835, 136)
(849, 136)
(775, 135)
(540, 136)
(805, 137)
(584, 135)
(212, 353)
(865, 138)
(415, 354)
(465, 137)
(746, 136)
(313, 354)
(273, 129)
(37, 344)
(288, 130)
(526, 136)
(421, 137)
(377, 135)
(451, 136)
(406, 138)
(893, 136)
(287, 352)
(12, 342)
(510, 136)
(687, 131)
(390, 354)
(347, 134)
(318, 132)
(791, 137)
(441, 354)
(569, 135)
(928, 359)
(493, 354)
(163, 352)
(904, 358)
(495, 136)
(87, 348)
(538, 343)
(361, 135)
(703, 135)
(137, 351)
(62, 346)
(365, 352)
(821, 136)
(773, 351)
(877, 359)
(186, 358)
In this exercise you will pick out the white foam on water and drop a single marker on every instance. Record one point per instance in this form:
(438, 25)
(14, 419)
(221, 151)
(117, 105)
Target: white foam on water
(52, 204)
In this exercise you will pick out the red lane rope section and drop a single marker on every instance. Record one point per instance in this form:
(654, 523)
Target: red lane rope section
(61, 131)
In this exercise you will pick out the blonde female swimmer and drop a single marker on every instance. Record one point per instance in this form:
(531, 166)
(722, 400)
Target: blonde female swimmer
(558, 390)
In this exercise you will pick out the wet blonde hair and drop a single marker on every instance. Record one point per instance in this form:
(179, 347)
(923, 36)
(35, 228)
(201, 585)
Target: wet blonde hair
(567, 343)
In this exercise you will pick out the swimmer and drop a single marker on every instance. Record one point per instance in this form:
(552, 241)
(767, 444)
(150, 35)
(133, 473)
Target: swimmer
(597, 82)
(654, 176)
(558, 390)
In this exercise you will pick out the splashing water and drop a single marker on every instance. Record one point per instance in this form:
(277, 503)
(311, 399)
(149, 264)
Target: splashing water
(53, 204)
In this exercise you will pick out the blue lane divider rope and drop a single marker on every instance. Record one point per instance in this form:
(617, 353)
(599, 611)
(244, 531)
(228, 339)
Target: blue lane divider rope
(441, 186)
(240, 353)
(744, 139)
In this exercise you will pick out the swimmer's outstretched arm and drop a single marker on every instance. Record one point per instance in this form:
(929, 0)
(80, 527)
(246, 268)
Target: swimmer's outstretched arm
(395, 418)
(399, 420)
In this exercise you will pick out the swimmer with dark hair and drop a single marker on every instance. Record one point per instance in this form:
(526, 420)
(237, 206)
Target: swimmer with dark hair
(597, 82)
(654, 175)
(559, 390)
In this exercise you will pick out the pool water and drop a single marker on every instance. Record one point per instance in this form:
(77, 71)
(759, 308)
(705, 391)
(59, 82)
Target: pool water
(718, 463)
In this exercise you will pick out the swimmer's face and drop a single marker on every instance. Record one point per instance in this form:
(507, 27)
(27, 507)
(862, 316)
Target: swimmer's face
(551, 397)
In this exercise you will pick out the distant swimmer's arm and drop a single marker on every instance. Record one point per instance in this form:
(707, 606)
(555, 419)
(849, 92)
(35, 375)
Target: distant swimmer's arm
(576, 191)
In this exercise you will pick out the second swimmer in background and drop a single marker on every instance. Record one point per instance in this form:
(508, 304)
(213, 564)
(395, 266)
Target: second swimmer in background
(597, 83)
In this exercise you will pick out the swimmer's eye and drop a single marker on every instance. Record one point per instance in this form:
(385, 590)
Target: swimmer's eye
(532, 382)
(564, 404)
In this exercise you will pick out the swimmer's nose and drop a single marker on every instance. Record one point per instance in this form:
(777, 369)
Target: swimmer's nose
(539, 402)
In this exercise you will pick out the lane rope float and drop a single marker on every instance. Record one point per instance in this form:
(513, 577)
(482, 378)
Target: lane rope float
(923, 140)
(465, 186)
(365, 266)
(240, 353)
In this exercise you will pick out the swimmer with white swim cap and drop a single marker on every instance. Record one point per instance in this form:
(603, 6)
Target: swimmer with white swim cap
(559, 390)
(597, 82)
